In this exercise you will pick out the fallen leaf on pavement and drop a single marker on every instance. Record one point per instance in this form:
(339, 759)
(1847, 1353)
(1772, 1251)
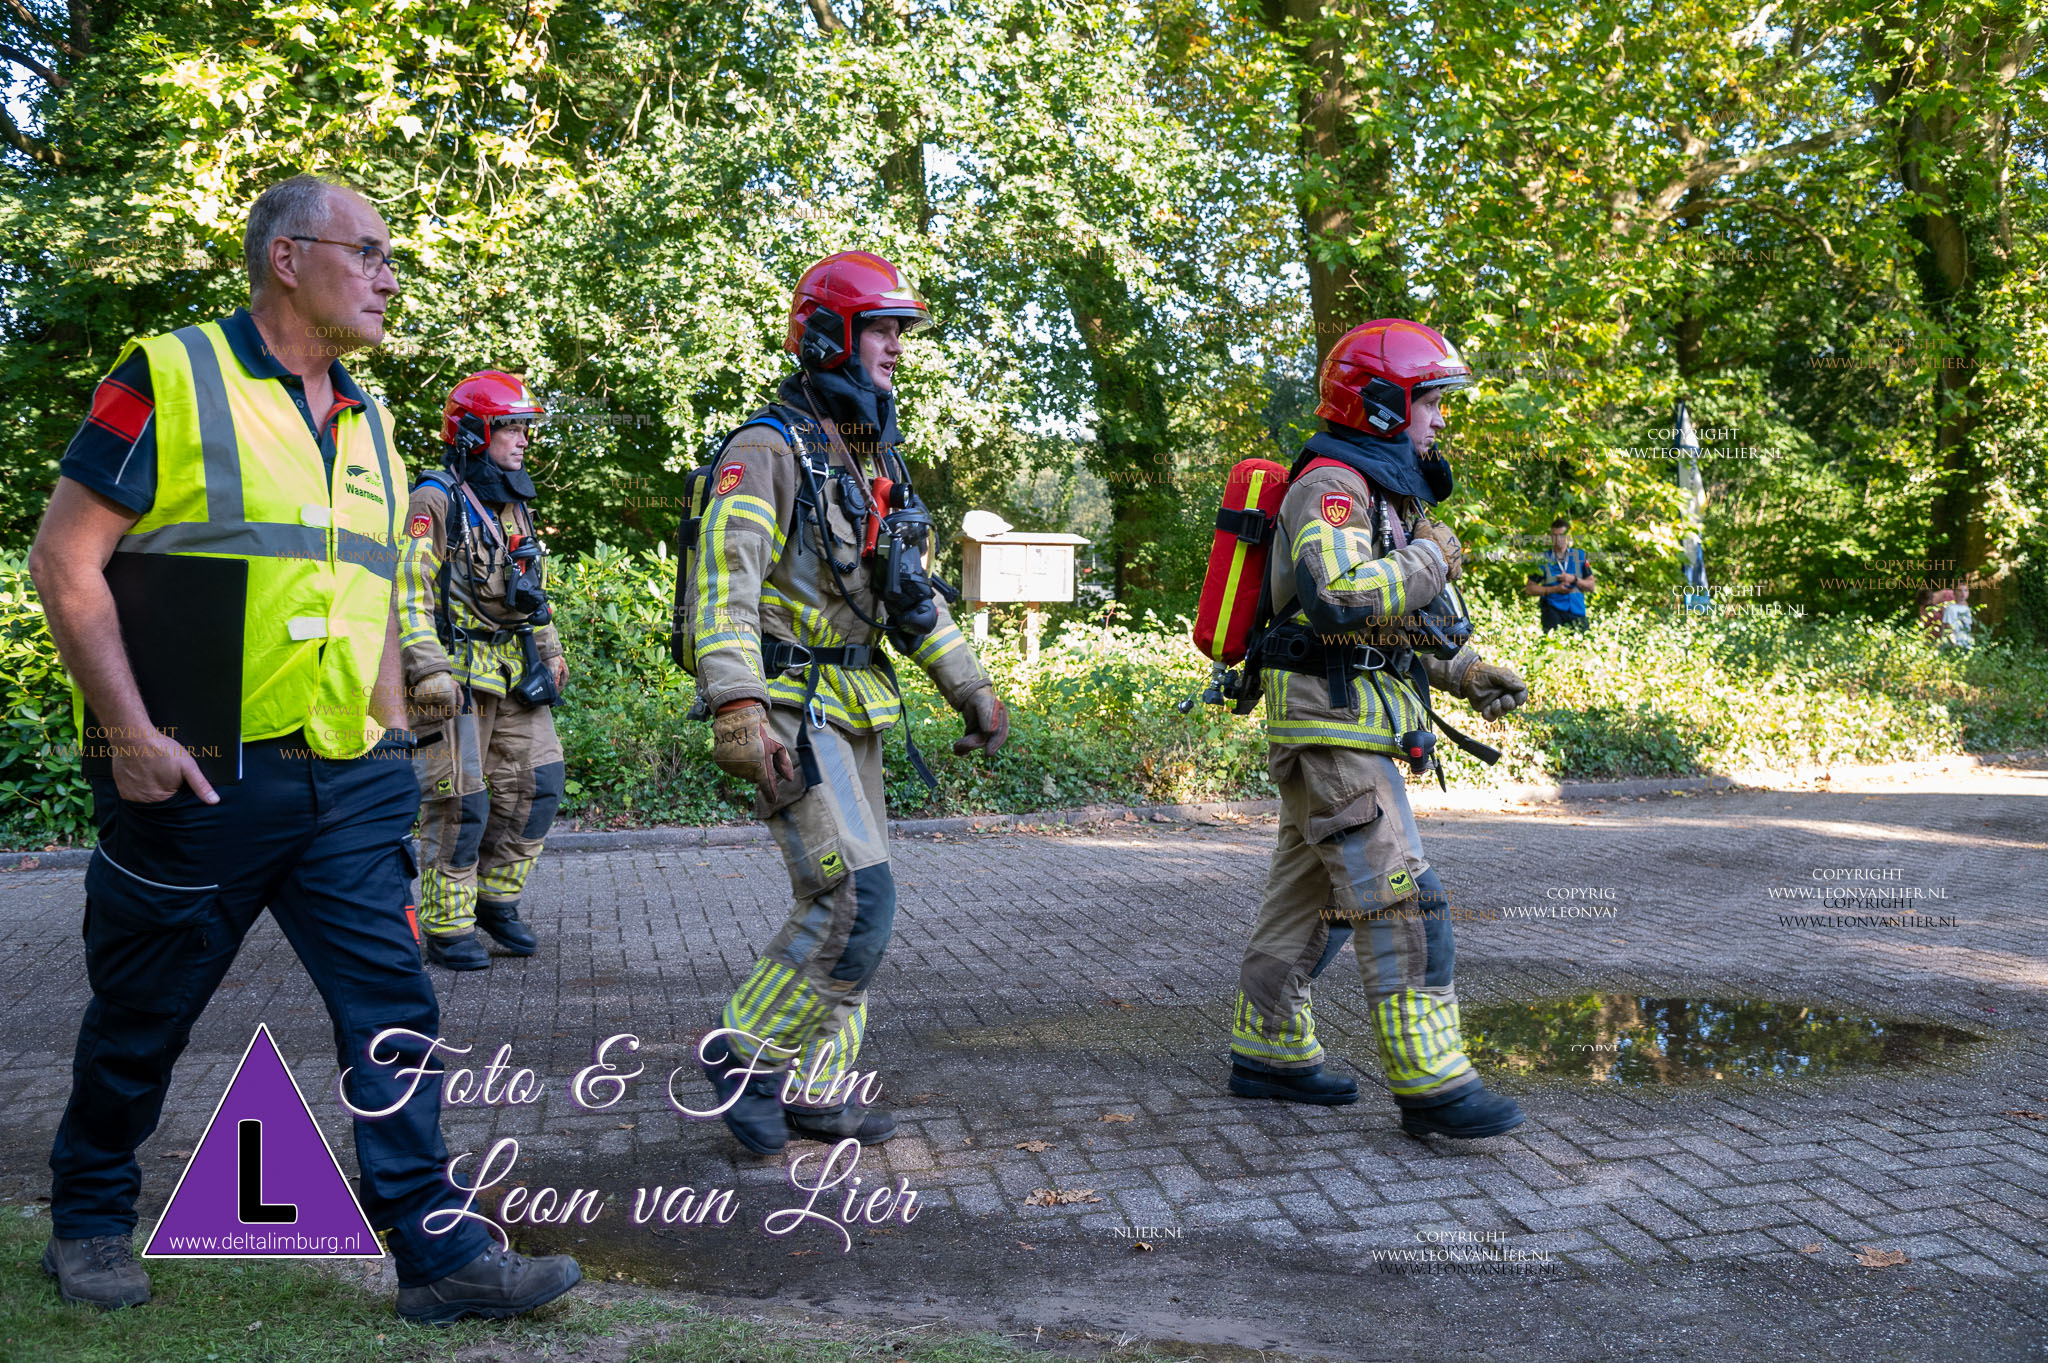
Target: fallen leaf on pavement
(1060, 1197)
(1117, 1117)
(1034, 1146)
(1873, 1257)
(1811, 1249)
(1022, 1245)
(800, 1253)
(1141, 1246)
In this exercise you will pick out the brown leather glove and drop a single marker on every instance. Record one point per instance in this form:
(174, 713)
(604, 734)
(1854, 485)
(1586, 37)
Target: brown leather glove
(1439, 534)
(1494, 689)
(434, 701)
(988, 724)
(743, 746)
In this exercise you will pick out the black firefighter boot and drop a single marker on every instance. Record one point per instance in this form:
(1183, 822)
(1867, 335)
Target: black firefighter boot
(456, 951)
(754, 1116)
(868, 1125)
(1473, 1114)
(502, 922)
(1250, 1079)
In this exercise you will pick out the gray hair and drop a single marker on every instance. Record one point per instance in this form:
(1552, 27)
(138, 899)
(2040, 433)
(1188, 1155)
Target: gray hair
(298, 207)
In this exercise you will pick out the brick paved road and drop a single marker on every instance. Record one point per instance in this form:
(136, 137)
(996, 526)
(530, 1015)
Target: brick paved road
(1039, 982)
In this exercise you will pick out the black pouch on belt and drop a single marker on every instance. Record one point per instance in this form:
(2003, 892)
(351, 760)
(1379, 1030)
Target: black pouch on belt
(536, 685)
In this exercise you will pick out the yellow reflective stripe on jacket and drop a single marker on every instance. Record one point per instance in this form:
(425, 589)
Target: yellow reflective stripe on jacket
(859, 699)
(240, 476)
(940, 644)
(714, 628)
(1373, 730)
(1349, 565)
(490, 668)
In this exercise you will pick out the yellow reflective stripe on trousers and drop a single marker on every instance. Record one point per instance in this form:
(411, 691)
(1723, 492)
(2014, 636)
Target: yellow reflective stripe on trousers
(1420, 1046)
(821, 1070)
(778, 1008)
(1290, 1042)
(502, 884)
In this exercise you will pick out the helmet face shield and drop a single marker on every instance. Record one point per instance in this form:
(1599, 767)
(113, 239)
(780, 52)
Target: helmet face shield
(912, 318)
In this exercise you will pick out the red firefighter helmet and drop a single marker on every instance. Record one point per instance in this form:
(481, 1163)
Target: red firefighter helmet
(480, 403)
(848, 288)
(1375, 370)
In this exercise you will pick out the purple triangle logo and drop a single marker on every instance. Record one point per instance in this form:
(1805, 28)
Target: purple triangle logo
(263, 1182)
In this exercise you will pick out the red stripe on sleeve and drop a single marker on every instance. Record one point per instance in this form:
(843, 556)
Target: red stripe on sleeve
(120, 409)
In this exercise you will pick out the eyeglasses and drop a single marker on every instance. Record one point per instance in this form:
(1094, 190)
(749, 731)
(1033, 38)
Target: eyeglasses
(371, 258)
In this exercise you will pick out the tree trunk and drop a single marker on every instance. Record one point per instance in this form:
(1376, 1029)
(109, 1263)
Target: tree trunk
(902, 132)
(1131, 452)
(1356, 270)
(1951, 152)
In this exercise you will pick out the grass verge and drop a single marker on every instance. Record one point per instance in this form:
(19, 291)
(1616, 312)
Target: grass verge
(284, 1311)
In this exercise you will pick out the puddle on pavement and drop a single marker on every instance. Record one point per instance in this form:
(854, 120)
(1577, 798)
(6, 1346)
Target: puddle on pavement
(1638, 1041)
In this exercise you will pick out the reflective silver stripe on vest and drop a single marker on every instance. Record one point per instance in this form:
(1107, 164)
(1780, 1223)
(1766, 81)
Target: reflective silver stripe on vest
(223, 459)
(249, 539)
(370, 414)
(365, 552)
(264, 539)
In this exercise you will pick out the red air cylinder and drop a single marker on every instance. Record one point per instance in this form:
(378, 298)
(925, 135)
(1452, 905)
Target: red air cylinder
(1237, 559)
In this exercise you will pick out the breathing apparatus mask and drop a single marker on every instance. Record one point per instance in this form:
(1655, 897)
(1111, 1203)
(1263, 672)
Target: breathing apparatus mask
(1445, 622)
(896, 529)
(524, 593)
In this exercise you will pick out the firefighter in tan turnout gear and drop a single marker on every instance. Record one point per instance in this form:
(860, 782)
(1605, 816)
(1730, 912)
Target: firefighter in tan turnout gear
(803, 554)
(483, 666)
(1363, 622)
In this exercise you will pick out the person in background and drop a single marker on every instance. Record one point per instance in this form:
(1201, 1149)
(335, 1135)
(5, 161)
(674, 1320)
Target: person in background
(484, 664)
(1957, 621)
(1560, 586)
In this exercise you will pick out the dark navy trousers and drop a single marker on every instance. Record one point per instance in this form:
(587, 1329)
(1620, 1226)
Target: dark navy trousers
(171, 892)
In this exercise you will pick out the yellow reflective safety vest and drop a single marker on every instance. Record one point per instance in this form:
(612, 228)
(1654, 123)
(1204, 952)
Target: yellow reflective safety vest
(240, 476)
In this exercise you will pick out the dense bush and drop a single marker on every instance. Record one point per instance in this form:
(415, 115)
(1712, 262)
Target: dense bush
(42, 796)
(1648, 692)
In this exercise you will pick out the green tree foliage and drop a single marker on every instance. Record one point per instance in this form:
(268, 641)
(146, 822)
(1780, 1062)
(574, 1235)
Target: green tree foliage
(1140, 221)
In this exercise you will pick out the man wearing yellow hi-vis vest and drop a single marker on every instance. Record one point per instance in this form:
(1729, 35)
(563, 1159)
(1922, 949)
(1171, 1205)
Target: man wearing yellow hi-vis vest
(1357, 590)
(216, 566)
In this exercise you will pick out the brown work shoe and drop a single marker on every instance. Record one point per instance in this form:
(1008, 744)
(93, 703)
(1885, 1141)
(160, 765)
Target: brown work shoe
(98, 1270)
(497, 1283)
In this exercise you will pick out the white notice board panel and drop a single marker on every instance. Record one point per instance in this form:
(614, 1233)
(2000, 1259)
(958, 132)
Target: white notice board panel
(1018, 568)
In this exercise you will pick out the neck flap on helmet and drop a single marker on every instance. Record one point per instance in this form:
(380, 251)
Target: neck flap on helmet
(865, 414)
(492, 485)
